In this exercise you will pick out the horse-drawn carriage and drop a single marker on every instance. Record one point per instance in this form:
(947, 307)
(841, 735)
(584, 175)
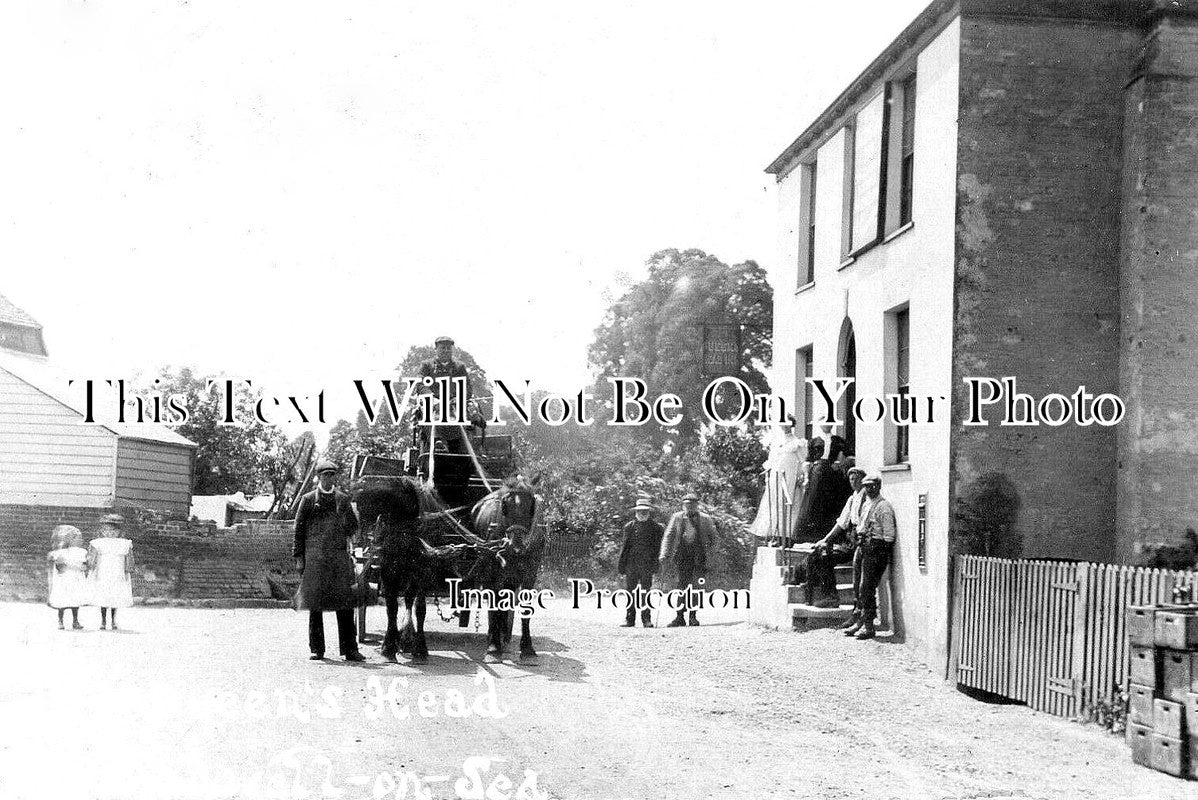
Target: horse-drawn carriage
(441, 513)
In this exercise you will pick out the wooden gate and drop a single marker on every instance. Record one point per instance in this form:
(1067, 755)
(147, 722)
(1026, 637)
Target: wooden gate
(1049, 633)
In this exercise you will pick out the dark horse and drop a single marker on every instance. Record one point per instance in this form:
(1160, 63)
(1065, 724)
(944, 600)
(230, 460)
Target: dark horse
(507, 520)
(408, 563)
(408, 525)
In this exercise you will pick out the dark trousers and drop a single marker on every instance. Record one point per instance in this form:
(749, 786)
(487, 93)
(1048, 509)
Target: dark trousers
(632, 579)
(689, 574)
(858, 557)
(821, 572)
(346, 634)
(874, 562)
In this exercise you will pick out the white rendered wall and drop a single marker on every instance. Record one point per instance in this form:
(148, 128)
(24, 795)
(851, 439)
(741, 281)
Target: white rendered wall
(916, 267)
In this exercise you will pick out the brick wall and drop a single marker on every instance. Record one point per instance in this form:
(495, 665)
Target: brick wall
(1037, 275)
(1158, 442)
(173, 559)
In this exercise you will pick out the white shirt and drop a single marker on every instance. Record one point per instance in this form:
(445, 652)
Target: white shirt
(852, 513)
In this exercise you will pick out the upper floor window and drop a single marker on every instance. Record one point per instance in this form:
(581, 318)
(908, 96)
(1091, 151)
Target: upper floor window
(899, 180)
(807, 180)
(863, 176)
(879, 166)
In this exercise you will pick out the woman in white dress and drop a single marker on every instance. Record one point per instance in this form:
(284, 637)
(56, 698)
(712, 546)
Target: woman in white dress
(66, 566)
(110, 570)
(783, 482)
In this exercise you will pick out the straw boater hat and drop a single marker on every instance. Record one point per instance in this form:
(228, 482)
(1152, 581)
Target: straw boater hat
(644, 502)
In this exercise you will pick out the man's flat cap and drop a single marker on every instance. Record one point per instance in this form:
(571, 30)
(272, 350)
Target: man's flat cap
(690, 497)
(325, 465)
(873, 477)
(859, 470)
(443, 340)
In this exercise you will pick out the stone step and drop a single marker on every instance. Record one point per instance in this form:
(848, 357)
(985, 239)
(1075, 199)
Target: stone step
(805, 617)
(769, 556)
(844, 592)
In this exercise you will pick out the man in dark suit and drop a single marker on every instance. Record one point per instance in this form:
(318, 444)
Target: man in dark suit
(688, 538)
(638, 557)
(324, 522)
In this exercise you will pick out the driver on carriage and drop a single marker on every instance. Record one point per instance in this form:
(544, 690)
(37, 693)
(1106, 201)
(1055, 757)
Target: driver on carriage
(444, 366)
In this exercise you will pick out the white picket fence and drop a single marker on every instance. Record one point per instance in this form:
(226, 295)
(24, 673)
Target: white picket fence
(1050, 634)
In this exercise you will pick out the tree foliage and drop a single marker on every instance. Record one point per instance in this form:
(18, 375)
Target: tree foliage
(654, 330)
(591, 478)
(229, 458)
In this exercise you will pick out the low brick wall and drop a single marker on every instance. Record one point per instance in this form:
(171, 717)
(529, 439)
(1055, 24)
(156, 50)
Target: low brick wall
(173, 559)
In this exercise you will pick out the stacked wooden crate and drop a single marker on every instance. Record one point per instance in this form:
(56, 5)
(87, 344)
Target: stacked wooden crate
(1162, 723)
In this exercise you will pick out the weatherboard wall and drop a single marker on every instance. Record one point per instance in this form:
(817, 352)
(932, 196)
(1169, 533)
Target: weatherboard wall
(46, 456)
(154, 475)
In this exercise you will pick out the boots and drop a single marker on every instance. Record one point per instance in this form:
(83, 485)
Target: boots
(694, 619)
(851, 621)
(867, 630)
(856, 626)
(826, 601)
(679, 621)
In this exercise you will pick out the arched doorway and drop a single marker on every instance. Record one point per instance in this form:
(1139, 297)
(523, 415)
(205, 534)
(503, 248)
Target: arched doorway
(846, 366)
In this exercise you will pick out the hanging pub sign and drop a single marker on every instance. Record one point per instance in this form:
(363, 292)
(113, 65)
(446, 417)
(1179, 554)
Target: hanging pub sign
(721, 349)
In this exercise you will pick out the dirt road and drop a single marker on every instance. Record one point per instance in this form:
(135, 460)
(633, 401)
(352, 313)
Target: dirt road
(224, 703)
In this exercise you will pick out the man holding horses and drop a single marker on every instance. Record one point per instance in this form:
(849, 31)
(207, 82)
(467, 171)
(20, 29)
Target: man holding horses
(324, 522)
(638, 558)
(688, 538)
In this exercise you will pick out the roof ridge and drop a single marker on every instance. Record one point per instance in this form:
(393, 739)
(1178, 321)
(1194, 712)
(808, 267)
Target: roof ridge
(13, 315)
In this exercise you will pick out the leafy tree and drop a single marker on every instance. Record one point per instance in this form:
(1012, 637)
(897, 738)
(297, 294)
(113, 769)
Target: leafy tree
(591, 477)
(343, 443)
(652, 331)
(229, 458)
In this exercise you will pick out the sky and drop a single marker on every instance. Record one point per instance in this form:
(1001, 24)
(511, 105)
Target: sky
(296, 193)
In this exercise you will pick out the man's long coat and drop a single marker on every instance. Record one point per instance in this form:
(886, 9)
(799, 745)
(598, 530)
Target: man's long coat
(323, 523)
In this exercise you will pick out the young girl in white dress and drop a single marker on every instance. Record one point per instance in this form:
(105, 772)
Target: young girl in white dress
(110, 569)
(66, 566)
